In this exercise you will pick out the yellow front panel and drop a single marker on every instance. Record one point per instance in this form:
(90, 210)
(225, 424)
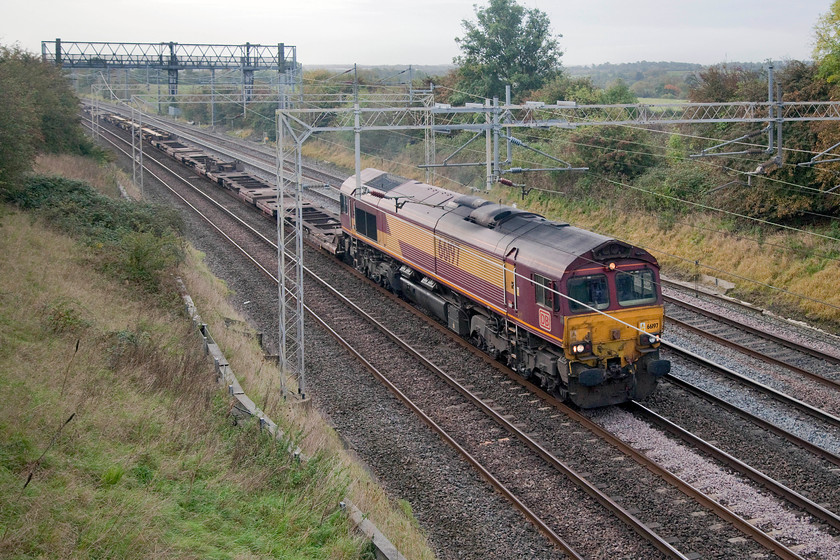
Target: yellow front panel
(612, 335)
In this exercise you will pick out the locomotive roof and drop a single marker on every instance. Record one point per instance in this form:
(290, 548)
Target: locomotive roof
(541, 244)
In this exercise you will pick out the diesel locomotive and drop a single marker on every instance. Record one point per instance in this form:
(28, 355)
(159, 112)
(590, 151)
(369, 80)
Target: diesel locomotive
(578, 312)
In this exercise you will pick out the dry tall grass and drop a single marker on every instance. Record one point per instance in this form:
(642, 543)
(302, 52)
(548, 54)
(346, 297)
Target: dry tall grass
(261, 380)
(803, 281)
(793, 262)
(104, 178)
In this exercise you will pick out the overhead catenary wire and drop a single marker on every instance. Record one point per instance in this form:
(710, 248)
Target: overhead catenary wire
(707, 207)
(752, 280)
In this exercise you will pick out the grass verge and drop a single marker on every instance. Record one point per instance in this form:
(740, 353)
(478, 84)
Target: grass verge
(116, 443)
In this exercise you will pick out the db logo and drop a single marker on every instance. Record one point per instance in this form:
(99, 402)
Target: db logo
(545, 320)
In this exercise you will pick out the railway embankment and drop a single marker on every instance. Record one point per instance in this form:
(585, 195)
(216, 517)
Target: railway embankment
(114, 437)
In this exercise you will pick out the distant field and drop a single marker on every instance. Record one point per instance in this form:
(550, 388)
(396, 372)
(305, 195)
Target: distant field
(659, 100)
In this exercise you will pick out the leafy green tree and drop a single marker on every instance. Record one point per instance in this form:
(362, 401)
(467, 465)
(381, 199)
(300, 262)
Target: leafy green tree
(56, 104)
(38, 112)
(507, 44)
(18, 122)
(566, 88)
(618, 94)
(827, 43)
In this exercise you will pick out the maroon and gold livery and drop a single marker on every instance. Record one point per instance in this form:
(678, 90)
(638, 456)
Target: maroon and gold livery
(579, 311)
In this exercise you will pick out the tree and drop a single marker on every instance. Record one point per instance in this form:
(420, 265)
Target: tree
(19, 121)
(723, 84)
(618, 94)
(566, 88)
(38, 112)
(827, 43)
(508, 44)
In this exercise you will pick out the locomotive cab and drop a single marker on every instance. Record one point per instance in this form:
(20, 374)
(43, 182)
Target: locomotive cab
(612, 333)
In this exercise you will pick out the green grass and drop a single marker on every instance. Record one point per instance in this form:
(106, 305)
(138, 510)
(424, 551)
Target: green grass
(660, 100)
(150, 465)
(143, 425)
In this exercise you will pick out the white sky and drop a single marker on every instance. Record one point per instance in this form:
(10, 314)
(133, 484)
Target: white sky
(403, 32)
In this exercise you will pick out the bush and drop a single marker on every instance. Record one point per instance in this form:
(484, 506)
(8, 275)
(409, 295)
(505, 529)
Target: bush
(615, 151)
(63, 315)
(137, 242)
(668, 186)
(143, 257)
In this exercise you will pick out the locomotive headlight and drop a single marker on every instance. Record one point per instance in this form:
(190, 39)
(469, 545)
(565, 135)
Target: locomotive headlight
(580, 348)
(648, 339)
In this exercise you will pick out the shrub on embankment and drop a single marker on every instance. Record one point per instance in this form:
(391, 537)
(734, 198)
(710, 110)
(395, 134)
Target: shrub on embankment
(136, 242)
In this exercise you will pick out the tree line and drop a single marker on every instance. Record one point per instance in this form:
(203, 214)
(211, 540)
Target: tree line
(509, 44)
(39, 112)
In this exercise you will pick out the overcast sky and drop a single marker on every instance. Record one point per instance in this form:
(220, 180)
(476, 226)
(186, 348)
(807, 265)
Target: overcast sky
(403, 32)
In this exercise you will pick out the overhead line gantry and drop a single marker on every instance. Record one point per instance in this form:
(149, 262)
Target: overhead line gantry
(174, 57)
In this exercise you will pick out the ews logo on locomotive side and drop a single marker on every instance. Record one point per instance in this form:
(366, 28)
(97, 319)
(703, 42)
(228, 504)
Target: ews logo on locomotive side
(448, 252)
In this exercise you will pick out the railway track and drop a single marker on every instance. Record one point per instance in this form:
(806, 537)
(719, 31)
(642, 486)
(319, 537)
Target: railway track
(735, 464)
(770, 543)
(787, 400)
(783, 367)
(260, 160)
(807, 361)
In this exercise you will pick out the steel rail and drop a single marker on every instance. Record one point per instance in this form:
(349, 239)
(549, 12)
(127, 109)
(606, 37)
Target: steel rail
(770, 427)
(498, 485)
(632, 521)
(755, 475)
(684, 286)
(777, 395)
(686, 488)
(765, 540)
(752, 330)
(723, 512)
(486, 474)
(755, 353)
(219, 145)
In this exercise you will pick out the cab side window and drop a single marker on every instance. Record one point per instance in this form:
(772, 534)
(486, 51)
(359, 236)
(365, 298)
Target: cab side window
(366, 223)
(543, 289)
